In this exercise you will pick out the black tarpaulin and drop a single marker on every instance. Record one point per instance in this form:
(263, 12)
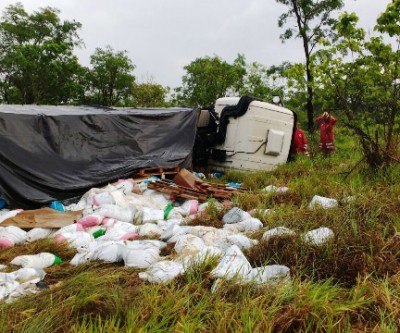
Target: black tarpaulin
(58, 152)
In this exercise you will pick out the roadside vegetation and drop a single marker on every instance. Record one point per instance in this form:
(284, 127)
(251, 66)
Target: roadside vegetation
(352, 284)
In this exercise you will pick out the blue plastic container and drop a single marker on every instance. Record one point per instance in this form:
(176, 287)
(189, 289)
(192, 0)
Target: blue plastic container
(57, 205)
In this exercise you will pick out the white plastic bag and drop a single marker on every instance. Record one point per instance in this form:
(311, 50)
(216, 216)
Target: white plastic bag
(318, 236)
(162, 271)
(235, 215)
(276, 232)
(323, 202)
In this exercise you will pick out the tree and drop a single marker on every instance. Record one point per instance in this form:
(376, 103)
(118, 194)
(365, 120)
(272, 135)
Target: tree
(110, 79)
(259, 82)
(208, 79)
(37, 64)
(360, 79)
(313, 21)
(149, 94)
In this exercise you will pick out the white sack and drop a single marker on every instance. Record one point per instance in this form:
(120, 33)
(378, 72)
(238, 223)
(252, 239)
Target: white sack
(29, 274)
(38, 233)
(125, 185)
(322, 202)
(162, 271)
(251, 224)
(140, 257)
(113, 223)
(41, 260)
(276, 232)
(15, 234)
(272, 188)
(189, 244)
(233, 265)
(150, 229)
(171, 234)
(152, 215)
(4, 215)
(241, 241)
(318, 236)
(79, 239)
(269, 273)
(235, 215)
(124, 214)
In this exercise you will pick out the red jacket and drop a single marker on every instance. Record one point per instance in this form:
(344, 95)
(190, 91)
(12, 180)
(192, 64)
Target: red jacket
(299, 143)
(327, 137)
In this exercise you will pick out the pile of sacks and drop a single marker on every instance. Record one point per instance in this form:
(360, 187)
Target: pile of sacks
(114, 217)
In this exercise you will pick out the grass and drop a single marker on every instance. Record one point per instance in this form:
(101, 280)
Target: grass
(352, 284)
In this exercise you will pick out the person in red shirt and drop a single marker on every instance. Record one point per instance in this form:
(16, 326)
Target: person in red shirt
(299, 143)
(327, 137)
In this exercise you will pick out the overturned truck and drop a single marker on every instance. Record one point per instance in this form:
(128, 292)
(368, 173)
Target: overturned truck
(59, 152)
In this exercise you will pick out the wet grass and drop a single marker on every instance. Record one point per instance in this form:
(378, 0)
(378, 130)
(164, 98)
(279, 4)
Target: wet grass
(351, 284)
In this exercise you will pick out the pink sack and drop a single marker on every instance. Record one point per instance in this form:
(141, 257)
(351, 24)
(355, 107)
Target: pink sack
(5, 243)
(90, 220)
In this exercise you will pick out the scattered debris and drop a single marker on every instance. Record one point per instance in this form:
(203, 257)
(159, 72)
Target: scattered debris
(272, 188)
(278, 232)
(318, 201)
(318, 236)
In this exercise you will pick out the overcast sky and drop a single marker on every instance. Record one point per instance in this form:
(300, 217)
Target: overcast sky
(162, 36)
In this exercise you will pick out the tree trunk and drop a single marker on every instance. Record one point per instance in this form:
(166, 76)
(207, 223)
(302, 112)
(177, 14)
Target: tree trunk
(310, 97)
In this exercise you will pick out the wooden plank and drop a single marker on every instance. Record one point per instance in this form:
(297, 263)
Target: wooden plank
(42, 218)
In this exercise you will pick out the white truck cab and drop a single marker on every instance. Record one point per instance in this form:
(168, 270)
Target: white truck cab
(251, 134)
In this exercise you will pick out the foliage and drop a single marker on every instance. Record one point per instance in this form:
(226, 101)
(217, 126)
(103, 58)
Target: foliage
(359, 78)
(259, 82)
(313, 21)
(149, 94)
(110, 78)
(208, 79)
(37, 64)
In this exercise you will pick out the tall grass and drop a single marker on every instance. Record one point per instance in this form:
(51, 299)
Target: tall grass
(351, 284)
